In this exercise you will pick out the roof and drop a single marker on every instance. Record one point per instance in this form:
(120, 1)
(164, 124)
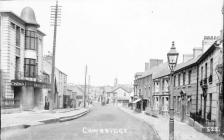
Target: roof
(127, 88)
(138, 73)
(161, 71)
(28, 15)
(187, 64)
(13, 14)
(20, 19)
(164, 69)
(209, 50)
(150, 71)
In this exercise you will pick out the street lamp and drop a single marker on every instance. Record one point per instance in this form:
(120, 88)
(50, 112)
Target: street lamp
(172, 57)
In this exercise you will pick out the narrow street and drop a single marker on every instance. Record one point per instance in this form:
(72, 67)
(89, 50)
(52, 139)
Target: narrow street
(102, 123)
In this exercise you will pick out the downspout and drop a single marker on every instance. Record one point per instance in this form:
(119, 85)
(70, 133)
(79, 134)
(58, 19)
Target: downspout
(197, 88)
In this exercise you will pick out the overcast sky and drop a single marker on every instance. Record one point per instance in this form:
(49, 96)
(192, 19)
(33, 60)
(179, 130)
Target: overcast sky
(116, 37)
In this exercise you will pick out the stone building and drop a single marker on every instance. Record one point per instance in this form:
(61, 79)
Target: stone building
(143, 84)
(21, 60)
(60, 82)
(197, 88)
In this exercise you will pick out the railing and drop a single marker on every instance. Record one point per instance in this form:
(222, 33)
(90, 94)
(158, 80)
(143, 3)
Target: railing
(205, 122)
(37, 78)
(8, 103)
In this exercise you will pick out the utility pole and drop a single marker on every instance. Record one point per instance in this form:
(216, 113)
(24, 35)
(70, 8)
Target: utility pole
(85, 89)
(88, 88)
(55, 17)
(221, 98)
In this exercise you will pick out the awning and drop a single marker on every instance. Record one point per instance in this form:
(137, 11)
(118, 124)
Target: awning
(136, 101)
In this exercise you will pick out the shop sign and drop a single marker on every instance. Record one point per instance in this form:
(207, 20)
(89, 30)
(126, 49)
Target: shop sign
(17, 84)
(29, 83)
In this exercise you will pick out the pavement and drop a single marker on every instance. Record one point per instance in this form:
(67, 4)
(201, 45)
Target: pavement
(182, 131)
(26, 119)
(106, 122)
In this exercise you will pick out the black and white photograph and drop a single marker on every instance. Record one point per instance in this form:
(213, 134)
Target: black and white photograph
(112, 69)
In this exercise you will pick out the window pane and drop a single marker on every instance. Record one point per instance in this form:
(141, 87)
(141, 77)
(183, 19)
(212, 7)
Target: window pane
(32, 71)
(27, 61)
(27, 33)
(32, 43)
(17, 36)
(211, 67)
(26, 72)
(27, 43)
(32, 34)
(36, 44)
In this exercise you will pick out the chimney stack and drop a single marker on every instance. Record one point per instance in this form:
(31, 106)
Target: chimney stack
(155, 62)
(208, 41)
(146, 66)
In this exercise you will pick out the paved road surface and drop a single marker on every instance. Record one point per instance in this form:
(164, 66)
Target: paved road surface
(102, 123)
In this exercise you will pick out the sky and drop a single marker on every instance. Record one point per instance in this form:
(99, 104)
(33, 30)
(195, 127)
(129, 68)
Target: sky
(116, 37)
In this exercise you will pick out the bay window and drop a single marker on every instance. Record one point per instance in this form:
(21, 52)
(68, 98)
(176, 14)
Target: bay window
(30, 67)
(30, 40)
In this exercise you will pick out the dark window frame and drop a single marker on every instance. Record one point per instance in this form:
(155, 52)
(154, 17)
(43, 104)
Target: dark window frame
(206, 70)
(30, 40)
(211, 66)
(174, 81)
(184, 77)
(202, 73)
(30, 67)
(189, 77)
(179, 79)
(18, 36)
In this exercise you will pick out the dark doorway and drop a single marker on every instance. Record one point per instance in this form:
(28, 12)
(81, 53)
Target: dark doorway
(17, 96)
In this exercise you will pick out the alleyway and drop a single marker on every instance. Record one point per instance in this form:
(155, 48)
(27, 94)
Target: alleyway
(102, 123)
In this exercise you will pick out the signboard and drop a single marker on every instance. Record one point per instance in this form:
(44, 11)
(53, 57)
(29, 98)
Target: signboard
(17, 83)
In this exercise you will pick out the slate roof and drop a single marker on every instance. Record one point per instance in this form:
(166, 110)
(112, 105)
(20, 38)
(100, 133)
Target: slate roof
(189, 63)
(127, 88)
(163, 69)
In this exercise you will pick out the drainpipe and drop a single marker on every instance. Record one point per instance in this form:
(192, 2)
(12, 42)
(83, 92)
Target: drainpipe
(197, 89)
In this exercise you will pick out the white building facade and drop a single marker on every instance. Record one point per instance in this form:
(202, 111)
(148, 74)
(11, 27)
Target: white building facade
(21, 60)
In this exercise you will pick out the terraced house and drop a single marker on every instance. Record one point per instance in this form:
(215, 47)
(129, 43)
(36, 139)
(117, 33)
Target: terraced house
(143, 84)
(196, 84)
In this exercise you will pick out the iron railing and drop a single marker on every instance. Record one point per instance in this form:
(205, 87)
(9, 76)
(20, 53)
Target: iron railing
(8, 103)
(37, 78)
(204, 122)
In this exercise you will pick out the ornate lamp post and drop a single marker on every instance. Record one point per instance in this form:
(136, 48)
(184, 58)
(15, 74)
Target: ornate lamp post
(172, 57)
